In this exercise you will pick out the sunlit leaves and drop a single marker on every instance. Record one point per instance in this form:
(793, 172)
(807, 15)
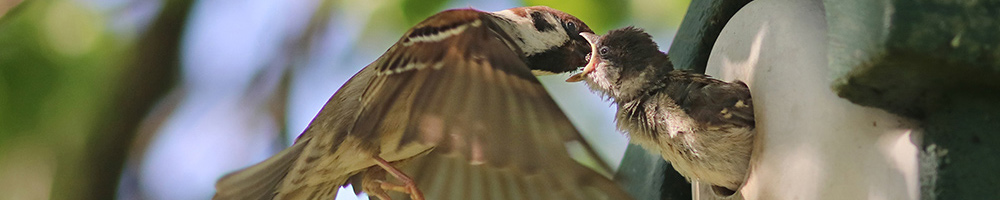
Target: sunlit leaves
(71, 30)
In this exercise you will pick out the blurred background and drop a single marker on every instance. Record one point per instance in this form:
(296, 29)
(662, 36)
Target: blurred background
(148, 99)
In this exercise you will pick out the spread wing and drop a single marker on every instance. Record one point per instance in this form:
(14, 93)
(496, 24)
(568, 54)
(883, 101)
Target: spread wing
(498, 134)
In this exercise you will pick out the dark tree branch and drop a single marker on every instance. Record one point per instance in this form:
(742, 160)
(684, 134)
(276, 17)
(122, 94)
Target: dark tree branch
(146, 80)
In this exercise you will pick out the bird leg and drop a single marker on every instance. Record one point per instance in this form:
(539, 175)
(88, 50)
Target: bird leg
(372, 184)
(409, 186)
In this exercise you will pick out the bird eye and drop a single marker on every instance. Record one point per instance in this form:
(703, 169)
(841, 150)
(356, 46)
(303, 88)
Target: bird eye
(604, 50)
(571, 26)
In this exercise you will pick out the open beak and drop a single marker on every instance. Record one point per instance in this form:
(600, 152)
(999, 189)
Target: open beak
(594, 58)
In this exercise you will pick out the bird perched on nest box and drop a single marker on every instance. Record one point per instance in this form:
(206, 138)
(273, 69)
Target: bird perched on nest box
(454, 104)
(703, 126)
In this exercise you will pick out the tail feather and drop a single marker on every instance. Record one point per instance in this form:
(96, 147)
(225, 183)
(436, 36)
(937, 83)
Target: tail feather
(261, 180)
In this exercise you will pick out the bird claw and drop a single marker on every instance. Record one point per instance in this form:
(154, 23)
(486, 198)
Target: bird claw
(408, 186)
(415, 194)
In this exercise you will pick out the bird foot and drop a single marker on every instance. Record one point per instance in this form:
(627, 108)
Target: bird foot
(408, 186)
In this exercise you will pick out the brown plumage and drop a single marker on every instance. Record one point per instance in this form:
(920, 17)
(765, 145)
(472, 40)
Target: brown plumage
(455, 106)
(703, 126)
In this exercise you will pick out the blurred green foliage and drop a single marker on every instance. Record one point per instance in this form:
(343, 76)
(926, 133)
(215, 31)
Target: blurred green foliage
(57, 61)
(416, 10)
(22, 88)
(600, 15)
(57, 64)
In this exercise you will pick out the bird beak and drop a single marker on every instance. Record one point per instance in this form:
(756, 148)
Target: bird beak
(594, 59)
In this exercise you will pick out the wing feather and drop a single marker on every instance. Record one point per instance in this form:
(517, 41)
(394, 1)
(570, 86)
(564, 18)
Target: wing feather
(258, 181)
(496, 131)
(453, 84)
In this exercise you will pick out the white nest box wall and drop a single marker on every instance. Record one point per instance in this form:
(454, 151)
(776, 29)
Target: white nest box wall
(811, 144)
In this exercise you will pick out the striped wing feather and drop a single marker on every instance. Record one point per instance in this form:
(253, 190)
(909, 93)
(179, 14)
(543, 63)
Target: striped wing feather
(498, 134)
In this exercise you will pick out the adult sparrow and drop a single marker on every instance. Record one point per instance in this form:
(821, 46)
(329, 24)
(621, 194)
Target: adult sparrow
(456, 102)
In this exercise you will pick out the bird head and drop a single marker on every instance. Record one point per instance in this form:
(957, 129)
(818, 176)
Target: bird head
(549, 39)
(623, 62)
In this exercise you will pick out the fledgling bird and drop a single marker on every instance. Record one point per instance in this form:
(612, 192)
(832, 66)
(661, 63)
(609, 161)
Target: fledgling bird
(452, 109)
(703, 126)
